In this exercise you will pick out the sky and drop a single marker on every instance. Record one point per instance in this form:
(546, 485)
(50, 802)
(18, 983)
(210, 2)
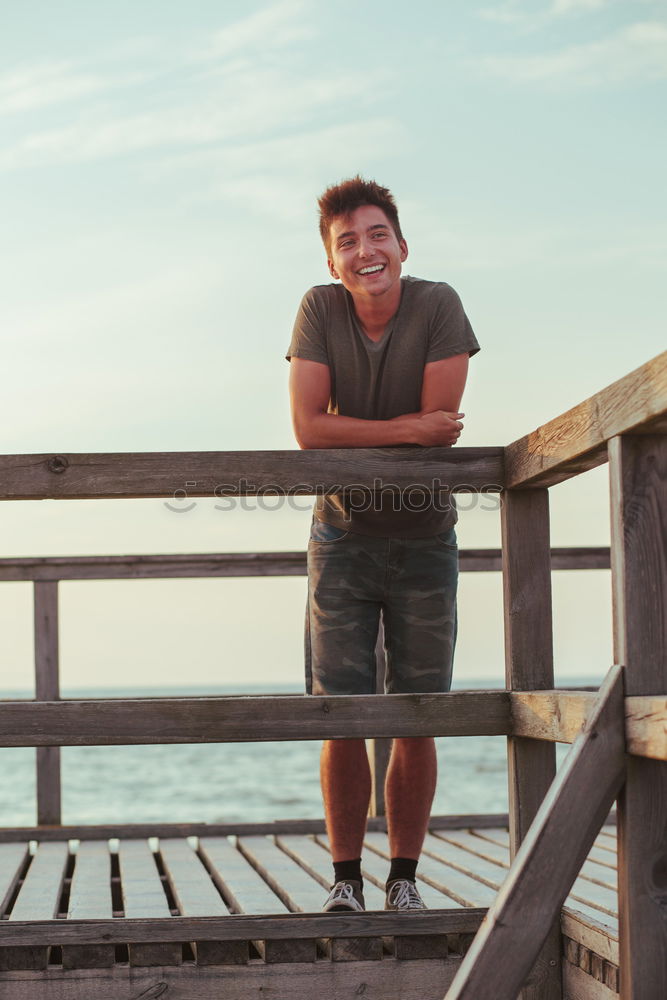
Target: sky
(159, 170)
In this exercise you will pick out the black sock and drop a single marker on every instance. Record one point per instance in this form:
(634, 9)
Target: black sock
(346, 870)
(402, 868)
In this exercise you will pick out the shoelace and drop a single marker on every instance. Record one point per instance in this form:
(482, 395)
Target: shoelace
(404, 896)
(343, 891)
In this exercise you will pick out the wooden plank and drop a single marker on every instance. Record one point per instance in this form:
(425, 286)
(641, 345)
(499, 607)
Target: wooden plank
(47, 688)
(315, 860)
(638, 476)
(552, 853)
(110, 721)
(225, 474)
(90, 899)
(242, 887)
(576, 440)
(38, 899)
(297, 889)
(589, 932)
(222, 564)
(560, 716)
(557, 716)
(143, 895)
(578, 985)
(238, 927)
(13, 859)
(595, 902)
(140, 830)
(390, 979)
(529, 665)
(196, 896)
(646, 727)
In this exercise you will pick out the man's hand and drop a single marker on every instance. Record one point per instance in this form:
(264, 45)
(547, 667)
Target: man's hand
(438, 428)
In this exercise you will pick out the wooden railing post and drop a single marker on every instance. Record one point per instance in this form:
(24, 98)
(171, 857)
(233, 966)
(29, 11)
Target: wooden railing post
(379, 749)
(529, 667)
(47, 688)
(638, 474)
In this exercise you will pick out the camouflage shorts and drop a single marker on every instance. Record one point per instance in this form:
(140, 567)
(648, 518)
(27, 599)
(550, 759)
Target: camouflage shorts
(352, 581)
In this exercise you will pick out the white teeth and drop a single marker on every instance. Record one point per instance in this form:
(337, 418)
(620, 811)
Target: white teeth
(372, 270)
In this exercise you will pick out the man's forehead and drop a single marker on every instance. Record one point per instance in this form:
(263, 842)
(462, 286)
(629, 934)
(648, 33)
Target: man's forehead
(365, 217)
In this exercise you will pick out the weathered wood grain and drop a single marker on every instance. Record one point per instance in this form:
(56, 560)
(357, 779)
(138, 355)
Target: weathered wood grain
(577, 440)
(134, 830)
(243, 887)
(214, 564)
(638, 476)
(529, 665)
(47, 688)
(104, 722)
(548, 861)
(579, 985)
(646, 727)
(89, 899)
(557, 716)
(238, 927)
(183, 476)
(389, 979)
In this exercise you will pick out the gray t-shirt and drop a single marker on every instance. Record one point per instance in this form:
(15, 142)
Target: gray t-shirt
(378, 380)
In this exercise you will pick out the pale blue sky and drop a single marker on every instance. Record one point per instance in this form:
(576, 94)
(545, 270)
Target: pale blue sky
(159, 165)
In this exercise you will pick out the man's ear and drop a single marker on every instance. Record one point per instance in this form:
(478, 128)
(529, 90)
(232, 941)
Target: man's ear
(332, 270)
(404, 250)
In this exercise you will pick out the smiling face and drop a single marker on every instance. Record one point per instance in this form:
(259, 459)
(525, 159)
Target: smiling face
(366, 255)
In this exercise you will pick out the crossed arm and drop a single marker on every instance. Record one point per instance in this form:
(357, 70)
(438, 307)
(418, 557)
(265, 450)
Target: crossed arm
(437, 422)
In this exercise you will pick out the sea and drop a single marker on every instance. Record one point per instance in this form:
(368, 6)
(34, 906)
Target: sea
(230, 782)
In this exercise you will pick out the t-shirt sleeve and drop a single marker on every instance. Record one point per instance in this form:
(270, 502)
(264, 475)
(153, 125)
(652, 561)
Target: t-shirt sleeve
(309, 333)
(450, 331)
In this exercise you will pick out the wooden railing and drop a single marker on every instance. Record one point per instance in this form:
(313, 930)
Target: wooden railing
(46, 573)
(553, 818)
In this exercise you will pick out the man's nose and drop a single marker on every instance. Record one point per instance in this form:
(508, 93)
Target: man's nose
(366, 248)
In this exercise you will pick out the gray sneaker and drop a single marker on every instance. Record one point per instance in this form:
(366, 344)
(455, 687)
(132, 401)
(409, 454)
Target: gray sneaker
(346, 895)
(403, 895)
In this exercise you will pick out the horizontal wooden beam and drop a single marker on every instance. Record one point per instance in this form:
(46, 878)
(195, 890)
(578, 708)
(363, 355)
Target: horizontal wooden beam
(559, 716)
(133, 831)
(238, 927)
(229, 474)
(577, 440)
(556, 716)
(222, 564)
(646, 726)
(111, 721)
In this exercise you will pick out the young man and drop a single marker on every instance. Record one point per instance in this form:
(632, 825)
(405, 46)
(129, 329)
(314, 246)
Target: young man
(377, 360)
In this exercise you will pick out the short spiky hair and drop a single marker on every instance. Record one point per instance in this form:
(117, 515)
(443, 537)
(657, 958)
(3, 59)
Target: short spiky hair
(346, 197)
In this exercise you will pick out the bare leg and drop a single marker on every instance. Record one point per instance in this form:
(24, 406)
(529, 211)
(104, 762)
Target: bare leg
(411, 778)
(346, 790)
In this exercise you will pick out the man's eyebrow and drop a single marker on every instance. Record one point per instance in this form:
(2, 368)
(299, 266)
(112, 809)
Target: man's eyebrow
(351, 232)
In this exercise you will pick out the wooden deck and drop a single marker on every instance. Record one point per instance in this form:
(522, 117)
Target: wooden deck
(186, 912)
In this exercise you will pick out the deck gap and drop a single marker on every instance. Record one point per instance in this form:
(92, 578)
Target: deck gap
(116, 891)
(121, 954)
(162, 872)
(187, 952)
(208, 868)
(55, 956)
(62, 908)
(19, 884)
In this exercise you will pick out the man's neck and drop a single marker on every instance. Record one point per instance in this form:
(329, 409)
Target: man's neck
(375, 313)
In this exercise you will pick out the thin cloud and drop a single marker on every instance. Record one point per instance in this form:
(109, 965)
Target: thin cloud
(34, 87)
(275, 26)
(637, 52)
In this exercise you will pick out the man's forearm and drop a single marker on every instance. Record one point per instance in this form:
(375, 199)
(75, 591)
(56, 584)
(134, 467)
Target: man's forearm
(330, 430)
(434, 429)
